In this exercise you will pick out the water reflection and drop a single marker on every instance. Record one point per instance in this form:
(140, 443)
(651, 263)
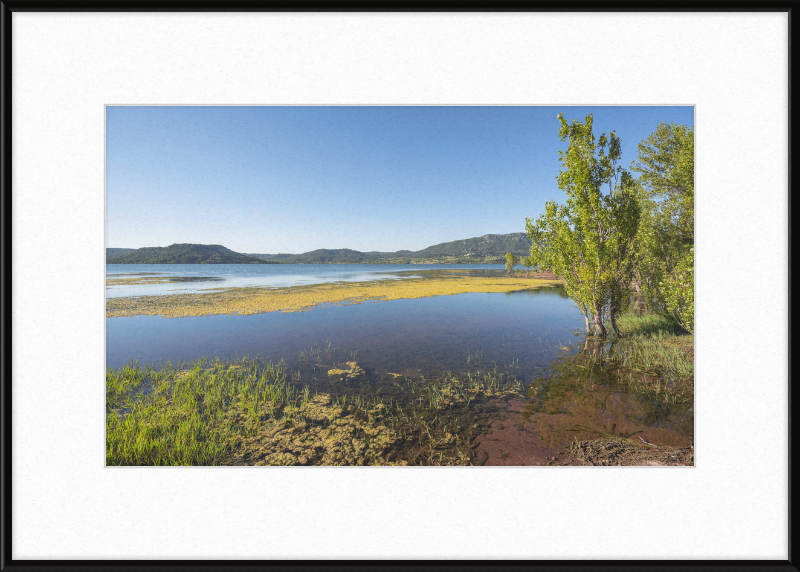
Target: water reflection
(581, 398)
(430, 334)
(558, 291)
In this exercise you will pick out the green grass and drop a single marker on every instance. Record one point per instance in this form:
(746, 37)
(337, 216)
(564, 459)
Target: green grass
(638, 325)
(191, 415)
(655, 354)
(654, 361)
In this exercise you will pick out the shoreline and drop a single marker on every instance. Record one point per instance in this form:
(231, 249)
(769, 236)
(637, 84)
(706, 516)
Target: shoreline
(483, 262)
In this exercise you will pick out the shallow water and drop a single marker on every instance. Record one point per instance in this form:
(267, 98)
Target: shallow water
(430, 333)
(577, 398)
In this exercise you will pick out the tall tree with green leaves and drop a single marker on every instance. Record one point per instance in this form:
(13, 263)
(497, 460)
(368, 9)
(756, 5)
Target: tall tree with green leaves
(589, 241)
(666, 173)
(511, 260)
(665, 191)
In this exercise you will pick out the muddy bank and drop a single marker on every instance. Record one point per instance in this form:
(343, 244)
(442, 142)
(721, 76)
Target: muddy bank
(506, 440)
(509, 439)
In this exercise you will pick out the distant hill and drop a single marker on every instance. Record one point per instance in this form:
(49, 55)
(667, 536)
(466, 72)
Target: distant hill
(112, 252)
(487, 245)
(185, 254)
(489, 248)
(486, 249)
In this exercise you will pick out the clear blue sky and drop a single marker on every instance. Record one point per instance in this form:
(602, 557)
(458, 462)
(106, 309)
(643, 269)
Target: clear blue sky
(294, 179)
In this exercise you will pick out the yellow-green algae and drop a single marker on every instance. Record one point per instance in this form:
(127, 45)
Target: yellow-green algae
(256, 300)
(352, 372)
(327, 435)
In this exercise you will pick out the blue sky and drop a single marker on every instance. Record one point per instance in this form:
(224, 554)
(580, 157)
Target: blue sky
(294, 179)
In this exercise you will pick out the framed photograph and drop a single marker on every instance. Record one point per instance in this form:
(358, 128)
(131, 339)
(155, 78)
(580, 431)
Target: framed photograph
(343, 309)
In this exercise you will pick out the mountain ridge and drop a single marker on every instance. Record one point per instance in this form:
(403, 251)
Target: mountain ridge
(489, 248)
(112, 252)
(486, 249)
(184, 253)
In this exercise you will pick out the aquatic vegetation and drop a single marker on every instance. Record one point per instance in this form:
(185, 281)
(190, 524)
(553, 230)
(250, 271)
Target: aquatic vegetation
(352, 372)
(322, 407)
(214, 412)
(179, 415)
(325, 434)
(655, 347)
(254, 300)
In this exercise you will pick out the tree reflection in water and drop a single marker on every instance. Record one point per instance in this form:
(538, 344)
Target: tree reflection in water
(584, 395)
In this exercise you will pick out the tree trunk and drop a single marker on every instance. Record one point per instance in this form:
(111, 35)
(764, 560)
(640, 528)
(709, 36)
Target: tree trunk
(589, 330)
(640, 303)
(612, 315)
(598, 323)
(593, 347)
(616, 303)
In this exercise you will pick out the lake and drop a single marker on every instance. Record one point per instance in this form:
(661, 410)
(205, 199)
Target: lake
(521, 334)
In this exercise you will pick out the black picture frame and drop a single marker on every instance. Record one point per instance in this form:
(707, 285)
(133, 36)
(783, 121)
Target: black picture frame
(7, 10)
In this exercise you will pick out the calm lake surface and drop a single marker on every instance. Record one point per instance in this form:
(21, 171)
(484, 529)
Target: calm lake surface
(523, 333)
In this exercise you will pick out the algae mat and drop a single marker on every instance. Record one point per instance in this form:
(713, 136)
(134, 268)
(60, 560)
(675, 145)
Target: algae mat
(258, 300)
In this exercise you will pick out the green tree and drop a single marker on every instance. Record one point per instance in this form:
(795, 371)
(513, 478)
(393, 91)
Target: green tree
(527, 263)
(677, 288)
(666, 173)
(589, 242)
(665, 191)
(511, 260)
